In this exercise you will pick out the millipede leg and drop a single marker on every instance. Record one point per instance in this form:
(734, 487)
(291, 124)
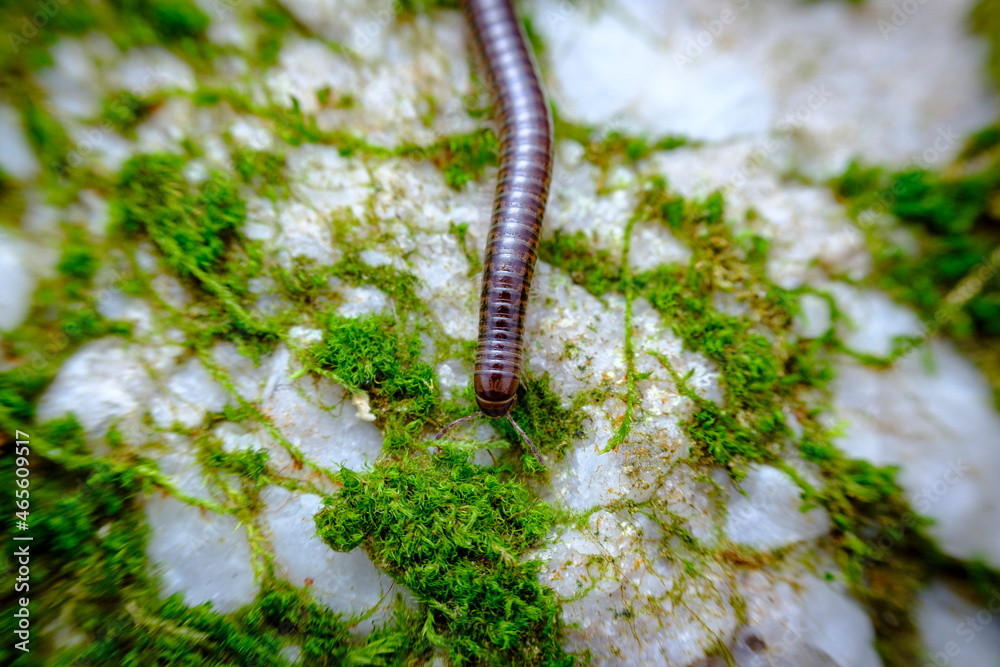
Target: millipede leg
(526, 439)
(456, 423)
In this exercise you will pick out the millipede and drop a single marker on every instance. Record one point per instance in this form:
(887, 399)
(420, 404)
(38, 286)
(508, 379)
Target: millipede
(518, 208)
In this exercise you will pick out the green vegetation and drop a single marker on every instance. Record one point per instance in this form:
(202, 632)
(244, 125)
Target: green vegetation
(952, 278)
(985, 20)
(539, 412)
(162, 20)
(762, 377)
(378, 355)
(89, 569)
(191, 229)
(373, 353)
(412, 7)
(594, 270)
(196, 231)
(453, 532)
(124, 111)
(612, 147)
(462, 158)
(262, 170)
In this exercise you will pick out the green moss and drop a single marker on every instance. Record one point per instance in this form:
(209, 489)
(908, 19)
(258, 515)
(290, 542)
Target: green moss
(452, 533)
(124, 111)
(47, 137)
(413, 7)
(594, 270)
(981, 142)
(79, 259)
(195, 229)
(18, 390)
(263, 170)
(719, 438)
(539, 412)
(378, 355)
(397, 284)
(75, 573)
(462, 158)
(169, 20)
(367, 353)
(305, 282)
(952, 279)
(190, 228)
(985, 20)
(89, 569)
(607, 148)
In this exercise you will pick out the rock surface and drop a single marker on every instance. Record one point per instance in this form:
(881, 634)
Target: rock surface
(632, 593)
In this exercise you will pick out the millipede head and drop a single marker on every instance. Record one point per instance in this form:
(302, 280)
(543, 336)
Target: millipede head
(496, 394)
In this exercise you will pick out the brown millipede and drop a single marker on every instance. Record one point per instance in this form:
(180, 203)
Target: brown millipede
(519, 206)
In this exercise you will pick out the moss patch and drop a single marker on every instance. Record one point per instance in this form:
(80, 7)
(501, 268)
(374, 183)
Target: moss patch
(952, 278)
(377, 354)
(195, 229)
(453, 533)
(262, 170)
(462, 158)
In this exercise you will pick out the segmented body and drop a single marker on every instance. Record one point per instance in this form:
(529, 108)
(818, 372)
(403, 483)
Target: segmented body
(522, 192)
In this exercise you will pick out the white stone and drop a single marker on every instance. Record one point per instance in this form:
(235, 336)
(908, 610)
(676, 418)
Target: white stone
(18, 283)
(765, 513)
(347, 583)
(204, 555)
(189, 395)
(956, 632)
(875, 320)
(16, 159)
(315, 416)
(797, 619)
(932, 414)
(104, 381)
(363, 300)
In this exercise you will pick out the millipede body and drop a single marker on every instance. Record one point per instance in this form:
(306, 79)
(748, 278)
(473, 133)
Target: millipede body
(519, 206)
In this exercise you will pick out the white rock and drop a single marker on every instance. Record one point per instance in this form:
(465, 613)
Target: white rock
(189, 395)
(147, 70)
(814, 319)
(363, 300)
(16, 159)
(801, 620)
(766, 514)
(347, 583)
(720, 70)
(603, 72)
(204, 555)
(104, 381)
(933, 416)
(18, 283)
(624, 608)
(315, 416)
(954, 631)
(875, 320)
